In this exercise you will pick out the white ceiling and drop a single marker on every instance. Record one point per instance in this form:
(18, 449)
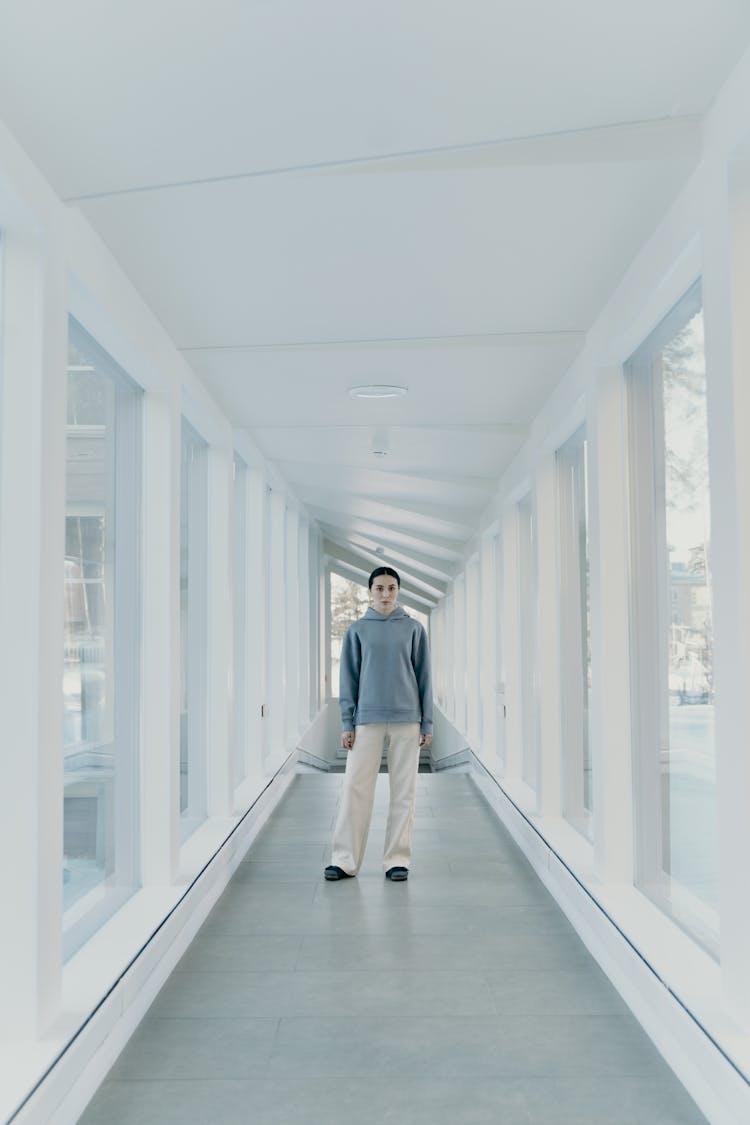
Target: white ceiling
(314, 196)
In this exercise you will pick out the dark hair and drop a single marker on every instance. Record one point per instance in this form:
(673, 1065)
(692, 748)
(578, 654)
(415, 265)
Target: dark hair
(383, 570)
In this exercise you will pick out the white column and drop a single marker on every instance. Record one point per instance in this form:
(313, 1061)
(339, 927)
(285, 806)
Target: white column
(293, 628)
(449, 657)
(276, 621)
(726, 248)
(325, 624)
(459, 651)
(32, 502)
(512, 623)
(488, 677)
(316, 632)
(549, 787)
(219, 579)
(255, 621)
(610, 633)
(160, 731)
(305, 650)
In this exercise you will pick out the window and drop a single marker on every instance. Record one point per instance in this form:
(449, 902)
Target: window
(101, 638)
(193, 532)
(527, 573)
(672, 636)
(238, 699)
(349, 602)
(575, 646)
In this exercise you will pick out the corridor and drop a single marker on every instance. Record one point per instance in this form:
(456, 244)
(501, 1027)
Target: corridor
(463, 996)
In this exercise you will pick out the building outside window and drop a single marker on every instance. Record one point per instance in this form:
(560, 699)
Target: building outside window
(349, 602)
(672, 623)
(101, 638)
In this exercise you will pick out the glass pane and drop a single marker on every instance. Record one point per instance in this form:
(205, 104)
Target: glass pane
(575, 646)
(349, 602)
(673, 641)
(689, 839)
(100, 641)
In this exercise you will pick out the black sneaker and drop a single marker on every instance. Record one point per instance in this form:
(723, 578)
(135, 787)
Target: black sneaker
(331, 873)
(397, 874)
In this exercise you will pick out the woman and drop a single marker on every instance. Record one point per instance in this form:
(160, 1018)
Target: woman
(385, 696)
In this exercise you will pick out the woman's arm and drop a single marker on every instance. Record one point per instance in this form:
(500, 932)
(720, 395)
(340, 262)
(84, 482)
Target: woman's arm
(423, 673)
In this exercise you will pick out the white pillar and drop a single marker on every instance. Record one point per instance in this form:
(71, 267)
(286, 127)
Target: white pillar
(488, 624)
(160, 730)
(512, 636)
(549, 786)
(293, 629)
(219, 577)
(726, 247)
(276, 624)
(255, 621)
(32, 498)
(610, 631)
(305, 649)
(459, 652)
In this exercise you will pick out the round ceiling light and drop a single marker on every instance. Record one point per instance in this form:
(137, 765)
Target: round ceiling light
(378, 390)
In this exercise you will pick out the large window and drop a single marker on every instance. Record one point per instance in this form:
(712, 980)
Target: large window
(672, 638)
(193, 592)
(575, 647)
(527, 592)
(101, 637)
(349, 602)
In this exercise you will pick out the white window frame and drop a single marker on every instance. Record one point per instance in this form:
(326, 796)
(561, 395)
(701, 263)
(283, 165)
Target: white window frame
(195, 671)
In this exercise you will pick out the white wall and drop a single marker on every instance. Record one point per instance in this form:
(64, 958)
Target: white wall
(706, 232)
(54, 265)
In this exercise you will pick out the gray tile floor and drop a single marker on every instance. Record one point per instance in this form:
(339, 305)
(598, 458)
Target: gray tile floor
(461, 997)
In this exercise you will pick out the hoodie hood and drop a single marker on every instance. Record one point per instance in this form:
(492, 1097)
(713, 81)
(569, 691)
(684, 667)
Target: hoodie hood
(373, 615)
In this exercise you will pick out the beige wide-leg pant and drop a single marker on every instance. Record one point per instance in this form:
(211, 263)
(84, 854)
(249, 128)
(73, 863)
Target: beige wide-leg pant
(401, 741)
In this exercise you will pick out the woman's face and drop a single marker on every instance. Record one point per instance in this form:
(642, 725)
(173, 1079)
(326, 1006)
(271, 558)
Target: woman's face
(384, 594)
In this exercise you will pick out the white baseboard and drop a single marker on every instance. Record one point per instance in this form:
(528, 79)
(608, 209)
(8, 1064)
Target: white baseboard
(708, 1074)
(68, 1087)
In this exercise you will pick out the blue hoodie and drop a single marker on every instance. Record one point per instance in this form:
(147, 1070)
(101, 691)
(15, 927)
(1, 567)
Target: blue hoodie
(385, 672)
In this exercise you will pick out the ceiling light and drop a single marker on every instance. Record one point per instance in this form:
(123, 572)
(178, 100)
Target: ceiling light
(80, 367)
(378, 390)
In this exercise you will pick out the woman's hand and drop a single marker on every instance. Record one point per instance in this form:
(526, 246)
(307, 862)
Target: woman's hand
(347, 739)
(424, 741)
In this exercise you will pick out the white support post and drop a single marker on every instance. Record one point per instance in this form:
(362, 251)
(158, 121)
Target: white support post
(610, 630)
(549, 787)
(219, 751)
(32, 497)
(325, 624)
(727, 305)
(304, 648)
(276, 669)
(488, 677)
(512, 620)
(292, 624)
(160, 569)
(255, 621)
(459, 651)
